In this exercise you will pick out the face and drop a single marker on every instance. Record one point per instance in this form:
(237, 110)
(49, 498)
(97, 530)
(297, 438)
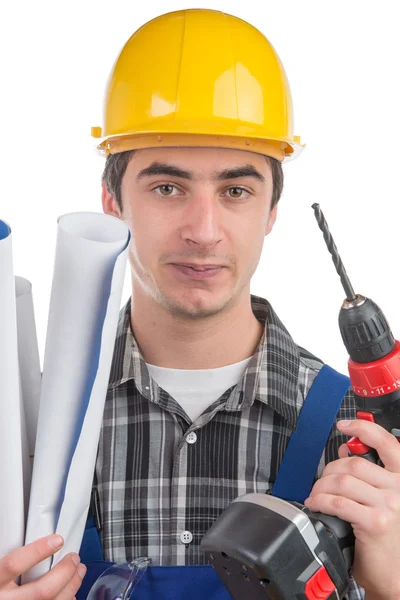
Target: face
(198, 218)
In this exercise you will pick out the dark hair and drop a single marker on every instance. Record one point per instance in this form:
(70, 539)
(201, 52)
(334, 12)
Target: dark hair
(116, 164)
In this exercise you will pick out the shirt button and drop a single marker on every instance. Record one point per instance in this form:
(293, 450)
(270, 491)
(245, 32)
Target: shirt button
(191, 438)
(186, 537)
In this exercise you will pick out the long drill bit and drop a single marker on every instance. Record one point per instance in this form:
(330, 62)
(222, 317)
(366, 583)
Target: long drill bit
(337, 261)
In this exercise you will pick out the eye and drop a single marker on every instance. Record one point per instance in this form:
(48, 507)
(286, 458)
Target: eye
(236, 193)
(165, 189)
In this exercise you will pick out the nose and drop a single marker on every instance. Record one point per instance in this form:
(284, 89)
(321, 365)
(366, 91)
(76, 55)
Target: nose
(202, 220)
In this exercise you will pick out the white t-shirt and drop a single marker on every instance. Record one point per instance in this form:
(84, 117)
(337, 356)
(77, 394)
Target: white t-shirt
(196, 390)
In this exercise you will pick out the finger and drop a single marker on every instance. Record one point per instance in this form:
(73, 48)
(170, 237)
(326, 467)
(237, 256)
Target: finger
(51, 584)
(366, 471)
(73, 586)
(343, 451)
(356, 514)
(19, 561)
(346, 485)
(376, 437)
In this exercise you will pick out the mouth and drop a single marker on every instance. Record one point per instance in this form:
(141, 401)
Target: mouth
(198, 272)
(199, 267)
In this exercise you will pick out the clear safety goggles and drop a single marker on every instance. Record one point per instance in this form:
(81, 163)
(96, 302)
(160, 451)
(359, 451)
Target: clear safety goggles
(119, 580)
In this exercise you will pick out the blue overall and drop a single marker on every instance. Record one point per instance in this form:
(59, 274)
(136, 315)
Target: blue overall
(294, 482)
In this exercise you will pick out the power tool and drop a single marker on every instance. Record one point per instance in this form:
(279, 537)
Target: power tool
(264, 547)
(374, 363)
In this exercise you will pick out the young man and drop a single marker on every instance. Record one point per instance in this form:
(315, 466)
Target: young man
(206, 384)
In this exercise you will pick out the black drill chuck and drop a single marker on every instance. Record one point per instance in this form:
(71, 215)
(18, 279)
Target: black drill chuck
(365, 330)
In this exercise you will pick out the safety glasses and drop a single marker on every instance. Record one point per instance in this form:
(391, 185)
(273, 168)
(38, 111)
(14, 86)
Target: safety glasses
(119, 580)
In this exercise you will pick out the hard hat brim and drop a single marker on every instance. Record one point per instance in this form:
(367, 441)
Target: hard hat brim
(283, 151)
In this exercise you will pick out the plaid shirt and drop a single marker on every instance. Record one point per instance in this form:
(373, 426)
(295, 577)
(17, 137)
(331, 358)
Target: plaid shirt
(154, 485)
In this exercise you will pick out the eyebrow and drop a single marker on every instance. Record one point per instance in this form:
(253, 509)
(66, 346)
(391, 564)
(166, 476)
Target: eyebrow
(158, 168)
(244, 171)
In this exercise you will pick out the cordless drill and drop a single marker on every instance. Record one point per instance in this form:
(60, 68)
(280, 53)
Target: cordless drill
(374, 363)
(264, 547)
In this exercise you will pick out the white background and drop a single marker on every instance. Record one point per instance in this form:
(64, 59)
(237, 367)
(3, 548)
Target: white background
(342, 60)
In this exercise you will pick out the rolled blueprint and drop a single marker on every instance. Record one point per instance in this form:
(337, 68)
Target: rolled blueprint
(11, 475)
(28, 354)
(90, 263)
(30, 377)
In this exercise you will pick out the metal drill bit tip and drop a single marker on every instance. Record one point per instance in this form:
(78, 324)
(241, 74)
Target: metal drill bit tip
(348, 288)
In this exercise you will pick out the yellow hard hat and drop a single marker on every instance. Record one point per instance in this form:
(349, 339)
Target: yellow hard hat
(198, 77)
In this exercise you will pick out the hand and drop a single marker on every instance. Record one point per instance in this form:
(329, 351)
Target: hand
(61, 583)
(367, 496)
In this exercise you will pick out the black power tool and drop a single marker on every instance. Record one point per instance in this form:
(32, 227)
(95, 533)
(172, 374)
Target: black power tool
(264, 547)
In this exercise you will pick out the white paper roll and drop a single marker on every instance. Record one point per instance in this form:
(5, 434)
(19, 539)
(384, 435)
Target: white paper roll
(89, 270)
(30, 377)
(28, 354)
(11, 476)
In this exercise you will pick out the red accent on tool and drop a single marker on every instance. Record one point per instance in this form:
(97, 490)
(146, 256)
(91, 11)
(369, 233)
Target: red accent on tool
(365, 416)
(357, 447)
(319, 586)
(377, 378)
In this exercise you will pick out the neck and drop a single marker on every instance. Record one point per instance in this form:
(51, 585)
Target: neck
(175, 342)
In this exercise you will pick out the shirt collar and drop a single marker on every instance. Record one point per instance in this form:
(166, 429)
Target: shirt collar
(270, 377)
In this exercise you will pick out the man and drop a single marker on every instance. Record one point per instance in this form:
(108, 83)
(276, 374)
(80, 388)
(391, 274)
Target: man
(206, 384)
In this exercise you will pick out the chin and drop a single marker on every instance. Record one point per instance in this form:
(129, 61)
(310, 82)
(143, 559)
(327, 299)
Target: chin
(197, 305)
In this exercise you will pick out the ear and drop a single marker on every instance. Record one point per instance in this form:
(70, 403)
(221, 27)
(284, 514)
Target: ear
(110, 205)
(271, 220)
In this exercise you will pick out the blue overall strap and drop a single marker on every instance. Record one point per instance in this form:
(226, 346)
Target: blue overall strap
(300, 462)
(91, 548)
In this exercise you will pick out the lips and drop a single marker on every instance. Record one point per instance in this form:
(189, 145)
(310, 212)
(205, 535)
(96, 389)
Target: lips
(199, 268)
(196, 272)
